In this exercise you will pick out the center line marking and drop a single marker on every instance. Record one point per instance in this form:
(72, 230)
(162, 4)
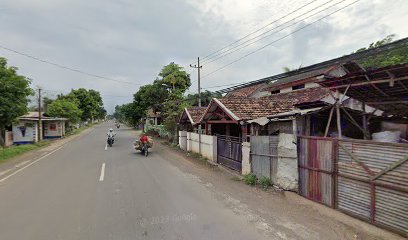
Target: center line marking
(102, 173)
(106, 147)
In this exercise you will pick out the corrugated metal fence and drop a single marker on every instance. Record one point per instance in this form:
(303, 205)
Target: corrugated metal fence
(373, 182)
(369, 180)
(264, 156)
(316, 159)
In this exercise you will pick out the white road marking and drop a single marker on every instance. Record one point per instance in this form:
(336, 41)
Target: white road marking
(21, 169)
(106, 147)
(22, 164)
(102, 173)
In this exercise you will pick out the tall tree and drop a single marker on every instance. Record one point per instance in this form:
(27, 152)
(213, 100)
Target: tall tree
(174, 77)
(206, 96)
(14, 90)
(65, 108)
(90, 102)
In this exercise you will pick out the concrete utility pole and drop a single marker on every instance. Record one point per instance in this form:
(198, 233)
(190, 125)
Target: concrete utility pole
(198, 66)
(39, 116)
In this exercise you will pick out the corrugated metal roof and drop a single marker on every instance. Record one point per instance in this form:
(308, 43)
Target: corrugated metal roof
(325, 64)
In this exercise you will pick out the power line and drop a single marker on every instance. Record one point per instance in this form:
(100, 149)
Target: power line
(259, 38)
(54, 92)
(259, 29)
(65, 67)
(293, 32)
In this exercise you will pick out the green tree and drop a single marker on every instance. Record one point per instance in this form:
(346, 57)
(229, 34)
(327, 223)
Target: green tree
(65, 108)
(14, 90)
(128, 113)
(174, 77)
(90, 102)
(206, 96)
(393, 56)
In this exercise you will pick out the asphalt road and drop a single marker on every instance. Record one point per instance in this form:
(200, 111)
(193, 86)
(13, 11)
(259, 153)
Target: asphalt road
(67, 195)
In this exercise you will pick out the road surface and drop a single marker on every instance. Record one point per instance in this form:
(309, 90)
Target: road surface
(83, 191)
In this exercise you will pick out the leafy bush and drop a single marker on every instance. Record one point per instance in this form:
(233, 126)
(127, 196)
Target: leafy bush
(265, 182)
(250, 179)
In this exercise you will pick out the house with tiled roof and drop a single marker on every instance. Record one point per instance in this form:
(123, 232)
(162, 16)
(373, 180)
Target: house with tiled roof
(190, 118)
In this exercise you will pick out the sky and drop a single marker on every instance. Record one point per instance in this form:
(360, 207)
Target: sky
(131, 40)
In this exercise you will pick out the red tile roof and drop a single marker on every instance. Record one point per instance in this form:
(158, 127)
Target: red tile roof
(246, 91)
(196, 113)
(249, 108)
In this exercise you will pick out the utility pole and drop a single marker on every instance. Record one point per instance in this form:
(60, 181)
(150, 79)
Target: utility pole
(39, 116)
(198, 66)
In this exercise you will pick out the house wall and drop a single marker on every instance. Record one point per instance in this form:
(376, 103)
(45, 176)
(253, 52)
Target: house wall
(282, 127)
(53, 129)
(208, 145)
(25, 132)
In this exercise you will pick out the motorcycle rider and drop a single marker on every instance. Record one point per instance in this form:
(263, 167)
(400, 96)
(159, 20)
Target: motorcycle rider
(111, 134)
(143, 139)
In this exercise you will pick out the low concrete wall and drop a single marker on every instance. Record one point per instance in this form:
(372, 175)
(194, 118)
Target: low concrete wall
(246, 158)
(208, 145)
(287, 172)
(183, 140)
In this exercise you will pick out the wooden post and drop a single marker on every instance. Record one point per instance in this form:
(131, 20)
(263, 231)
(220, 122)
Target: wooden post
(365, 127)
(338, 121)
(338, 116)
(329, 121)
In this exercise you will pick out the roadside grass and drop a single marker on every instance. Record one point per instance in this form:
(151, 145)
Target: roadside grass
(12, 151)
(15, 150)
(250, 179)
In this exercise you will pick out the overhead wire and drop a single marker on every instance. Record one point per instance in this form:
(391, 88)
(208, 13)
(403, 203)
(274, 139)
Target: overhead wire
(258, 30)
(279, 39)
(261, 37)
(66, 67)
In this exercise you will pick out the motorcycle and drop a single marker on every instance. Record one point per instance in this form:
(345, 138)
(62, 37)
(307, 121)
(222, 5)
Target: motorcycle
(118, 126)
(110, 141)
(145, 149)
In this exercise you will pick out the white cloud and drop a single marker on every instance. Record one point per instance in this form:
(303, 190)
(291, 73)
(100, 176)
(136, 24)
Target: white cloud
(132, 40)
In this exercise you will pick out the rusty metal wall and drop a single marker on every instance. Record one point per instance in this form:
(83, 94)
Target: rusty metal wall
(391, 209)
(316, 169)
(383, 201)
(264, 156)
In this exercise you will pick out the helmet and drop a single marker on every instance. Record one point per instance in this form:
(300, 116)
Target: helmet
(110, 130)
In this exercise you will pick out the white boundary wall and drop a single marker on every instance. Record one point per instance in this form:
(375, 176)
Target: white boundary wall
(183, 140)
(208, 144)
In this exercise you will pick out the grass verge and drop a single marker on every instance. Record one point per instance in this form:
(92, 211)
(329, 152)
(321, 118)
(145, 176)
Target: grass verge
(15, 150)
(12, 151)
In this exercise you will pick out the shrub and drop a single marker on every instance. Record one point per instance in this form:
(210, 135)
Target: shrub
(265, 182)
(250, 179)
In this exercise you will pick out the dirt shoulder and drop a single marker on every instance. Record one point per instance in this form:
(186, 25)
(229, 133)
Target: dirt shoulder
(15, 163)
(282, 214)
